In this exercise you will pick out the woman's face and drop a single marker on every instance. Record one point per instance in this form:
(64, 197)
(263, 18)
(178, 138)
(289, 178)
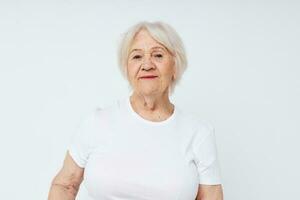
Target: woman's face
(149, 58)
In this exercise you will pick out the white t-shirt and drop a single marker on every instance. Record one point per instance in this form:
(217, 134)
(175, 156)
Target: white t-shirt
(127, 157)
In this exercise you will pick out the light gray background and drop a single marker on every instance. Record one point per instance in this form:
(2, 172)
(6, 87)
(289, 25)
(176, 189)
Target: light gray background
(58, 62)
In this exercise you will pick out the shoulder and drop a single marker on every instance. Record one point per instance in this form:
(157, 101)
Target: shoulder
(193, 118)
(100, 114)
(94, 120)
(202, 127)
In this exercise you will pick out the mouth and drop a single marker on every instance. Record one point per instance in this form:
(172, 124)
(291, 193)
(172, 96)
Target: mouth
(148, 77)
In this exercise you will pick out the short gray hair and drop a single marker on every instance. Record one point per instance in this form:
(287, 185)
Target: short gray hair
(162, 33)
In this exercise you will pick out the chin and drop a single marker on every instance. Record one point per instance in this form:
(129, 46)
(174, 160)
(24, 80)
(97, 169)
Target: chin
(149, 91)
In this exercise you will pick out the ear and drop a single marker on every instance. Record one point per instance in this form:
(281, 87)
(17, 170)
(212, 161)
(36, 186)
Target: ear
(174, 77)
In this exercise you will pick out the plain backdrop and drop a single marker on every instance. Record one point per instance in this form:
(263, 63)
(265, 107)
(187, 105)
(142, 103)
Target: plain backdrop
(58, 62)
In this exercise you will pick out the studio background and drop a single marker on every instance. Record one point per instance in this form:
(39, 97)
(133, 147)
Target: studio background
(58, 62)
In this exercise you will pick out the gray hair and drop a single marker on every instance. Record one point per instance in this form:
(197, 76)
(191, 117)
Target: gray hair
(162, 33)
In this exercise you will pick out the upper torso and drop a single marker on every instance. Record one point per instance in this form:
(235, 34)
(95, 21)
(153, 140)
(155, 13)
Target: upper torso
(135, 159)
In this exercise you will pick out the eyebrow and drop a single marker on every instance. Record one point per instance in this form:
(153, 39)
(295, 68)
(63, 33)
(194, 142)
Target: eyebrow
(151, 48)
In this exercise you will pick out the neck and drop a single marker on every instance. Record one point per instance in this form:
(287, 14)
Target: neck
(157, 104)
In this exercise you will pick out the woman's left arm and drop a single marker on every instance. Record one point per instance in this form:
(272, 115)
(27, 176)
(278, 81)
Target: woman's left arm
(210, 192)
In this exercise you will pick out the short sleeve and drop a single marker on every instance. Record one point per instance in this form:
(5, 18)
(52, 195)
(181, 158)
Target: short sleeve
(206, 159)
(80, 144)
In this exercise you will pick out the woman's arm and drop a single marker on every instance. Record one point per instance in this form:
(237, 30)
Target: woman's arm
(210, 192)
(66, 183)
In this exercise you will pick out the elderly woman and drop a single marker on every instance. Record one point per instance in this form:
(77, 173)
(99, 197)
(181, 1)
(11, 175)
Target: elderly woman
(143, 147)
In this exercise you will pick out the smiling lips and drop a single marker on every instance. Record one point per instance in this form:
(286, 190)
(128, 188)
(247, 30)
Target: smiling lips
(148, 77)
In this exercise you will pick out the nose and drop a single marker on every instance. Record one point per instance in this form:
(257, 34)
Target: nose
(147, 63)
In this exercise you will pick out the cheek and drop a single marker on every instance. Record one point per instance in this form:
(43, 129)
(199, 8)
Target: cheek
(167, 69)
(132, 69)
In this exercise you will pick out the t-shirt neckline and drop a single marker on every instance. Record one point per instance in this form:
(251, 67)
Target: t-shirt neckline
(146, 121)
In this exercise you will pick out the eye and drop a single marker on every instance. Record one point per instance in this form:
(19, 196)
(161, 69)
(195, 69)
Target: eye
(137, 57)
(158, 55)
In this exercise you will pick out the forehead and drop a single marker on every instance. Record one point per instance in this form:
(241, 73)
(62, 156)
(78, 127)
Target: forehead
(143, 40)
